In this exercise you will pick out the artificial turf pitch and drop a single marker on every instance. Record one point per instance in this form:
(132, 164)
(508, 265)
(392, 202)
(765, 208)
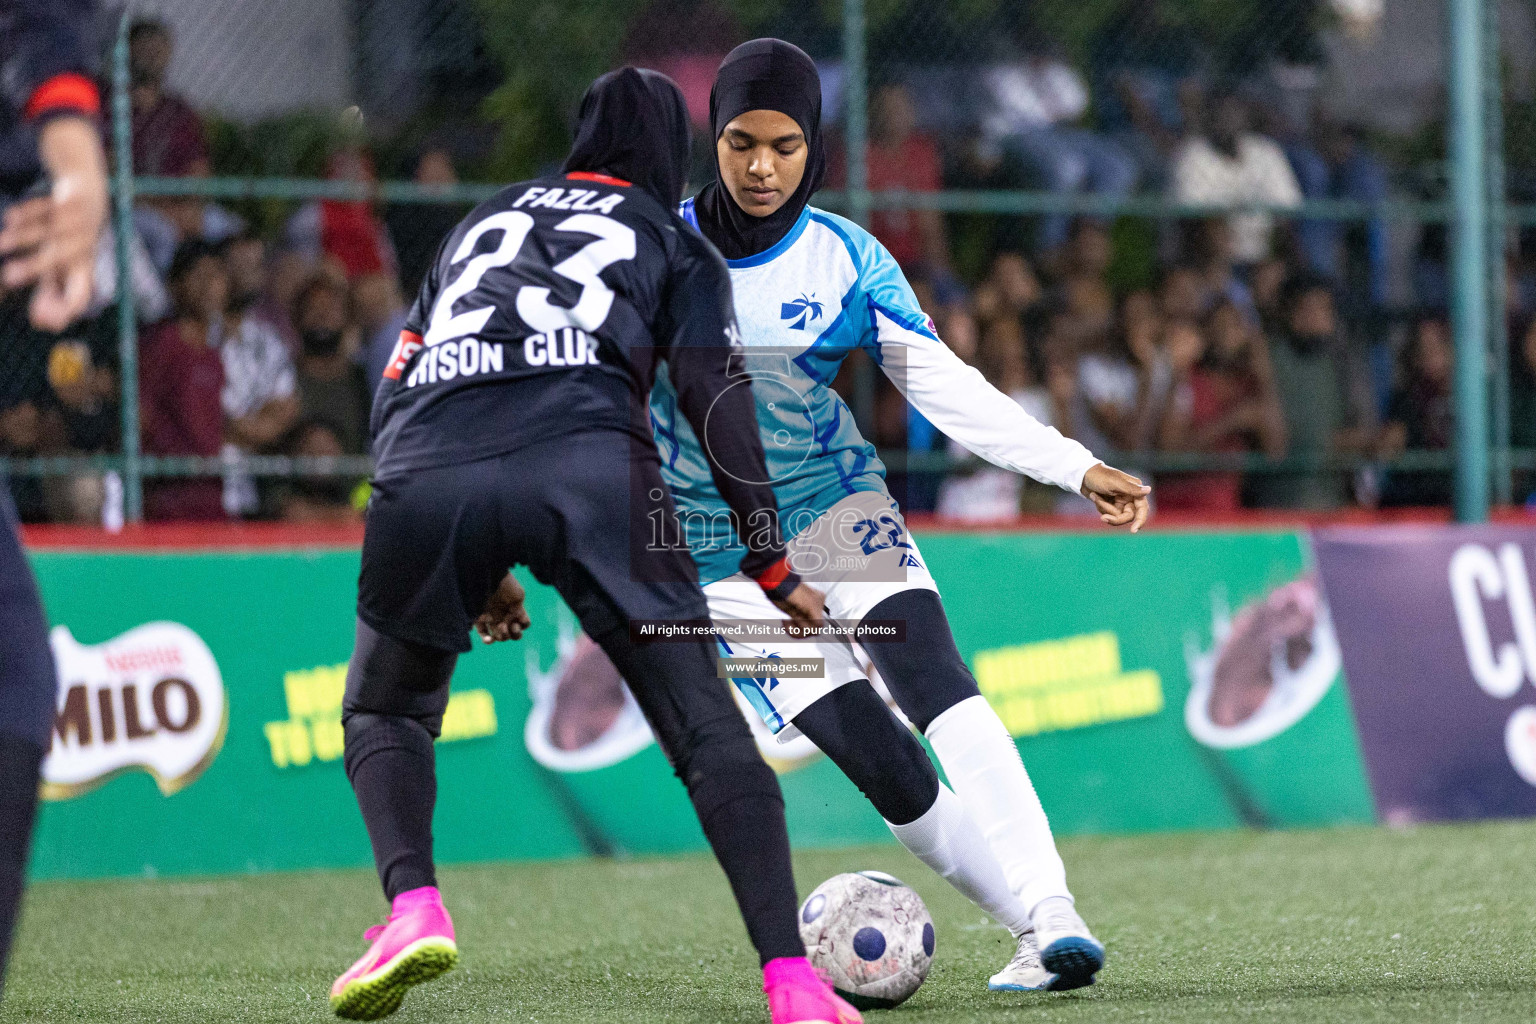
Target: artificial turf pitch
(1427, 924)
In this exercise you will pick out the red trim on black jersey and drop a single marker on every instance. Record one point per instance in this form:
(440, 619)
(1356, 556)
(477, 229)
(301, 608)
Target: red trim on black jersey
(68, 91)
(773, 576)
(601, 179)
(408, 345)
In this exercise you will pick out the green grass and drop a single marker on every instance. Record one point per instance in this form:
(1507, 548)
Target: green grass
(1430, 924)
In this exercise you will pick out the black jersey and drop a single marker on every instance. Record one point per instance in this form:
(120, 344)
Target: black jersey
(545, 314)
(550, 306)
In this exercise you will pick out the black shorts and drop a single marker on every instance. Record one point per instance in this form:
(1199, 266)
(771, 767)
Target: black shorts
(28, 683)
(580, 511)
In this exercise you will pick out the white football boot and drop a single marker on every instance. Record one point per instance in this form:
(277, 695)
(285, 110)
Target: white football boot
(1067, 948)
(1025, 972)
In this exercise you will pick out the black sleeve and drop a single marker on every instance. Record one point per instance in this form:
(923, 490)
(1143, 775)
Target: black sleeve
(41, 39)
(701, 345)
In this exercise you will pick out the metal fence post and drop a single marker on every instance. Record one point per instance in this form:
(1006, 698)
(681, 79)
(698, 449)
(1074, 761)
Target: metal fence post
(1469, 254)
(1498, 315)
(856, 110)
(856, 143)
(127, 319)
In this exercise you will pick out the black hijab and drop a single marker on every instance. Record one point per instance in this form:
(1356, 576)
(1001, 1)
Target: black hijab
(633, 124)
(764, 74)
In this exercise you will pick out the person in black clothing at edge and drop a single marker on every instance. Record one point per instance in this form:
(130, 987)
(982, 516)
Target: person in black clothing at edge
(511, 428)
(55, 201)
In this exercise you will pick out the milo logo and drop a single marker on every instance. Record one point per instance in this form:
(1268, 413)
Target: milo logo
(152, 698)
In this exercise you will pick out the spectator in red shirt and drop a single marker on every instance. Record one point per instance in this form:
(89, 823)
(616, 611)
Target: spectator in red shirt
(181, 376)
(348, 232)
(899, 157)
(168, 138)
(168, 141)
(1224, 401)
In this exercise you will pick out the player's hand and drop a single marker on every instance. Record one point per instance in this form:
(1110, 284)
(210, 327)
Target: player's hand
(806, 607)
(504, 617)
(1120, 498)
(49, 242)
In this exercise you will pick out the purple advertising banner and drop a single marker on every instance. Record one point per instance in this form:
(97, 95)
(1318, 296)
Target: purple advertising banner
(1438, 630)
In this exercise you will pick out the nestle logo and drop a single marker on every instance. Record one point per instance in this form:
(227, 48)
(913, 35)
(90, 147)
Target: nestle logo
(152, 698)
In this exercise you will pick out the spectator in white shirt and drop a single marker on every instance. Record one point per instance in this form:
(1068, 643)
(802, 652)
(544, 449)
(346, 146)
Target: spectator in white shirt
(1229, 164)
(259, 399)
(250, 292)
(152, 302)
(1034, 105)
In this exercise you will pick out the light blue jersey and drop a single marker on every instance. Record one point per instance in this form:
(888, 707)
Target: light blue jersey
(802, 306)
(825, 289)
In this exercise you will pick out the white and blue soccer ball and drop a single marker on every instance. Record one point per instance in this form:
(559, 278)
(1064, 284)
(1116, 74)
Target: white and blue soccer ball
(870, 935)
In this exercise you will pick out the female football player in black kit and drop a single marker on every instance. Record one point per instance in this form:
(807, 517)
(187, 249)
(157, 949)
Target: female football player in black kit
(511, 428)
(48, 243)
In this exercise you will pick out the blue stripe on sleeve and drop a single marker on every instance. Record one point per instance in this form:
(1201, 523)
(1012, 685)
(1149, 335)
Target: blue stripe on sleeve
(831, 223)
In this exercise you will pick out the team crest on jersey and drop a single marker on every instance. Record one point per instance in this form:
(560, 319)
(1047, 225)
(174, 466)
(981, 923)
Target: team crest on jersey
(802, 311)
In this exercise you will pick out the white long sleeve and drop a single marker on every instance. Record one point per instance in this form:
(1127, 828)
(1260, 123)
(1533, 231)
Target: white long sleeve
(957, 400)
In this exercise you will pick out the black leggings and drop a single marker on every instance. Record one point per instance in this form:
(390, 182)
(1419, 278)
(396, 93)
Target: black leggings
(28, 683)
(395, 697)
(28, 692)
(855, 729)
(924, 671)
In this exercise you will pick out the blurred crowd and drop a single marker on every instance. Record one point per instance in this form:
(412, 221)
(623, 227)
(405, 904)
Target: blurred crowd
(1295, 351)
(1267, 341)
(249, 344)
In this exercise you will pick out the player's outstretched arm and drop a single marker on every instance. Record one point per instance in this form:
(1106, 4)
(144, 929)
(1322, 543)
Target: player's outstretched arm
(953, 396)
(961, 403)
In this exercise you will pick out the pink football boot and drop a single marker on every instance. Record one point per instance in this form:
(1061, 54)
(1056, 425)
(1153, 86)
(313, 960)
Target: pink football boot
(414, 945)
(797, 995)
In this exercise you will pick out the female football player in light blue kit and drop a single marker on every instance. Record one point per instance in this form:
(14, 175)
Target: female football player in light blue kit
(810, 288)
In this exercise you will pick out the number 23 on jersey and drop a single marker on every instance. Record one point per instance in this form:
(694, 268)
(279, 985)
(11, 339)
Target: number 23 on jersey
(556, 328)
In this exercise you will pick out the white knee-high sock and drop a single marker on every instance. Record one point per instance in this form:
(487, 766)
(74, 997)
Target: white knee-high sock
(984, 767)
(947, 840)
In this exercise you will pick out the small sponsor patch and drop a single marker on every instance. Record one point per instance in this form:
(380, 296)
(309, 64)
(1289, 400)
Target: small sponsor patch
(408, 345)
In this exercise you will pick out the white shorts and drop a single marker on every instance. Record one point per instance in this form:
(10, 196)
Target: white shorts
(858, 553)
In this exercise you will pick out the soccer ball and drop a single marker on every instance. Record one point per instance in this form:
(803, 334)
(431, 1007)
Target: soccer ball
(870, 935)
